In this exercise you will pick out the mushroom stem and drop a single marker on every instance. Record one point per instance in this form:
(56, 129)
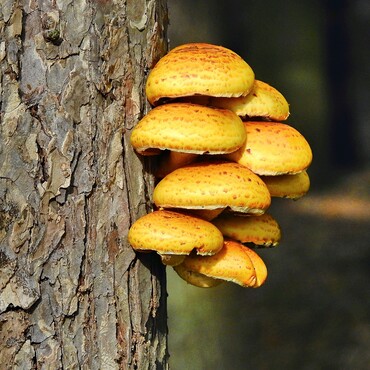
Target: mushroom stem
(173, 161)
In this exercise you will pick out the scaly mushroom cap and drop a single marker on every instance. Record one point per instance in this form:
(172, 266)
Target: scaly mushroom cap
(213, 185)
(288, 186)
(199, 69)
(273, 148)
(262, 231)
(189, 128)
(234, 262)
(173, 233)
(263, 101)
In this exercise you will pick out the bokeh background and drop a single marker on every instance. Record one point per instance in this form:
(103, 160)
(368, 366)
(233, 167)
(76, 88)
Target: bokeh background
(314, 310)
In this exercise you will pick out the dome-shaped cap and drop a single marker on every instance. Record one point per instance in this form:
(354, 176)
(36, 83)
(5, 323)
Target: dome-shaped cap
(263, 101)
(288, 186)
(189, 128)
(234, 262)
(213, 185)
(262, 231)
(168, 232)
(273, 148)
(199, 69)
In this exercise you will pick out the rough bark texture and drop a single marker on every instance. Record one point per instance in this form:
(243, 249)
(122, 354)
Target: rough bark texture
(72, 292)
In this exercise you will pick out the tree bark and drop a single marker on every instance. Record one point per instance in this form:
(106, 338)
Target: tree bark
(73, 294)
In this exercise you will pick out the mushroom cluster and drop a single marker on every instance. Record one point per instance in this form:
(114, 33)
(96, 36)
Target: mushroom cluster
(224, 153)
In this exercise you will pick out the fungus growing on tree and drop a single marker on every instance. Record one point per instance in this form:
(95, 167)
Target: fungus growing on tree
(223, 154)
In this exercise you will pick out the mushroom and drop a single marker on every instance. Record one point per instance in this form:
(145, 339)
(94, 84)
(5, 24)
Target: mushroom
(199, 69)
(288, 186)
(273, 148)
(174, 235)
(213, 185)
(263, 101)
(234, 262)
(257, 231)
(187, 130)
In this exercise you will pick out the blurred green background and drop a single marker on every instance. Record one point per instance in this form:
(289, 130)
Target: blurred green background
(314, 310)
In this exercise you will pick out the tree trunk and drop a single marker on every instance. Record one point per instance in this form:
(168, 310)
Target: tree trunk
(73, 294)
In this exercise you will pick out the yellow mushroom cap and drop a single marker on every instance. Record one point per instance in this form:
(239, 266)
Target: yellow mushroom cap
(212, 185)
(273, 148)
(189, 128)
(288, 186)
(263, 230)
(168, 232)
(263, 101)
(199, 69)
(234, 262)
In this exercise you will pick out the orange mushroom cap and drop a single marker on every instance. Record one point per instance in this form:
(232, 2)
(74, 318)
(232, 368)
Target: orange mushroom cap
(199, 69)
(263, 101)
(213, 185)
(234, 262)
(273, 148)
(288, 186)
(262, 230)
(189, 128)
(174, 233)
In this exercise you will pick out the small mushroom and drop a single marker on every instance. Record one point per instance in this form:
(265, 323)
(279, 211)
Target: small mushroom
(288, 186)
(174, 235)
(213, 185)
(199, 69)
(234, 262)
(273, 148)
(257, 231)
(263, 101)
(187, 130)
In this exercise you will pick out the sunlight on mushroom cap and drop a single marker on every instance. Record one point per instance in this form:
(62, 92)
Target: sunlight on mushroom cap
(199, 69)
(168, 232)
(262, 231)
(263, 101)
(273, 148)
(189, 128)
(212, 185)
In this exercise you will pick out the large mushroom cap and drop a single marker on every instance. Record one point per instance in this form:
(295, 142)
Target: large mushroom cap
(288, 186)
(273, 148)
(263, 101)
(189, 128)
(213, 185)
(173, 233)
(199, 69)
(234, 262)
(262, 231)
